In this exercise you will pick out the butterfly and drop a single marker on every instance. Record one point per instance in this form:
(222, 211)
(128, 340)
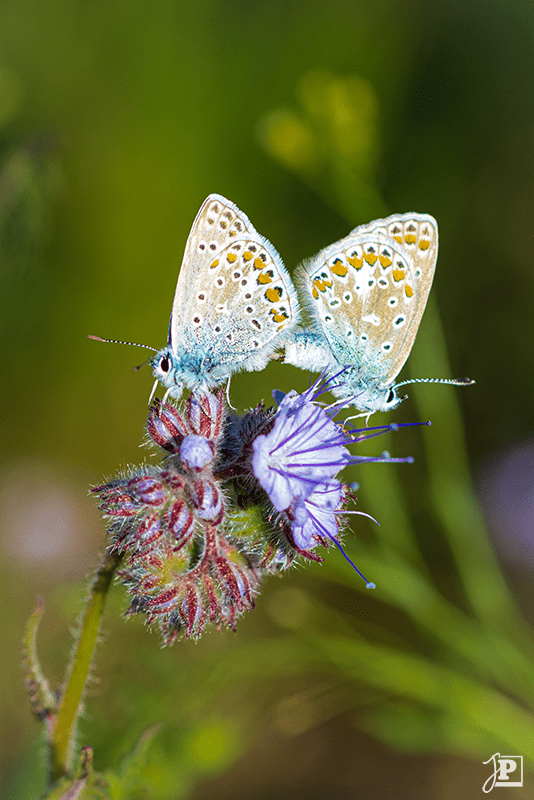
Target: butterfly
(233, 307)
(366, 295)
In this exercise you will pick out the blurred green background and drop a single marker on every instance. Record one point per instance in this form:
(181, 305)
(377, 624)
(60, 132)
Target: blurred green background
(117, 119)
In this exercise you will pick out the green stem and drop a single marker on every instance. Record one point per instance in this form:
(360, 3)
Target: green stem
(63, 736)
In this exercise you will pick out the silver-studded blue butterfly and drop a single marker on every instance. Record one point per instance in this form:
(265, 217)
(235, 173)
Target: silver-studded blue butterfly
(366, 295)
(234, 303)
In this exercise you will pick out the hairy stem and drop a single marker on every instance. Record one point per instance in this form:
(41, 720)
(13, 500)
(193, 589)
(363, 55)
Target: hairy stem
(63, 736)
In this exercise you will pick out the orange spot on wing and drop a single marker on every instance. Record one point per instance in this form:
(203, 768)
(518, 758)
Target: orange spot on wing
(370, 258)
(247, 255)
(398, 239)
(273, 295)
(398, 275)
(322, 285)
(258, 263)
(339, 268)
(410, 238)
(424, 244)
(408, 291)
(231, 258)
(355, 262)
(264, 277)
(279, 316)
(315, 293)
(385, 261)
(214, 264)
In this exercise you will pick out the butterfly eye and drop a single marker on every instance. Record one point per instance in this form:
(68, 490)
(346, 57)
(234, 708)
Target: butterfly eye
(391, 397)
(164, 364)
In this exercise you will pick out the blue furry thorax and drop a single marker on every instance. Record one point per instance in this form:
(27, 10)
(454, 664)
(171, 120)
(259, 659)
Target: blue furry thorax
(192, 370)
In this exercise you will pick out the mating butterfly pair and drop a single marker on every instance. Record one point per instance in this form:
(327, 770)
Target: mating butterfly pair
(235, 305)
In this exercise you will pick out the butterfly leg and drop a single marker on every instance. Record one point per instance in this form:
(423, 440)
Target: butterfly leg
(153, 392)
(228, 394)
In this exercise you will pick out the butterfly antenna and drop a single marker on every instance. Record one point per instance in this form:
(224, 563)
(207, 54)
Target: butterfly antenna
(451, 381)
(139, 366)
(117, 341)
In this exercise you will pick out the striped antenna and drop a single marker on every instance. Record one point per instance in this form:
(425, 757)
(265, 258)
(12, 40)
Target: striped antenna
(117, 341)
(451, 381)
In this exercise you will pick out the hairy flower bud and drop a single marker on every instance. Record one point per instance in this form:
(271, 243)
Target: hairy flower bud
(196, 452)
(166, 427)
(207, 501)
(205, 414)
(219, 588)
(179, 522)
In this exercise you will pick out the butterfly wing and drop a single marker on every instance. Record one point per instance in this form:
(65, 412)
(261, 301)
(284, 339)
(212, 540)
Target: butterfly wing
(367, 293)
(234, 300)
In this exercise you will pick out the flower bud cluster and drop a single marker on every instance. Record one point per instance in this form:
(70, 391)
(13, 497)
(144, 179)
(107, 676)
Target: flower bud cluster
(179, 567)
(233, 499)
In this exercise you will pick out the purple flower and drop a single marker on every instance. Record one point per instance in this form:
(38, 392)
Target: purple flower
(315, 515)
(304, 449)
(296, 463)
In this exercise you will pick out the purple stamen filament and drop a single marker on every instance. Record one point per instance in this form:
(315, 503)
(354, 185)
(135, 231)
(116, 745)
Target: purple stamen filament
(368, 584)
